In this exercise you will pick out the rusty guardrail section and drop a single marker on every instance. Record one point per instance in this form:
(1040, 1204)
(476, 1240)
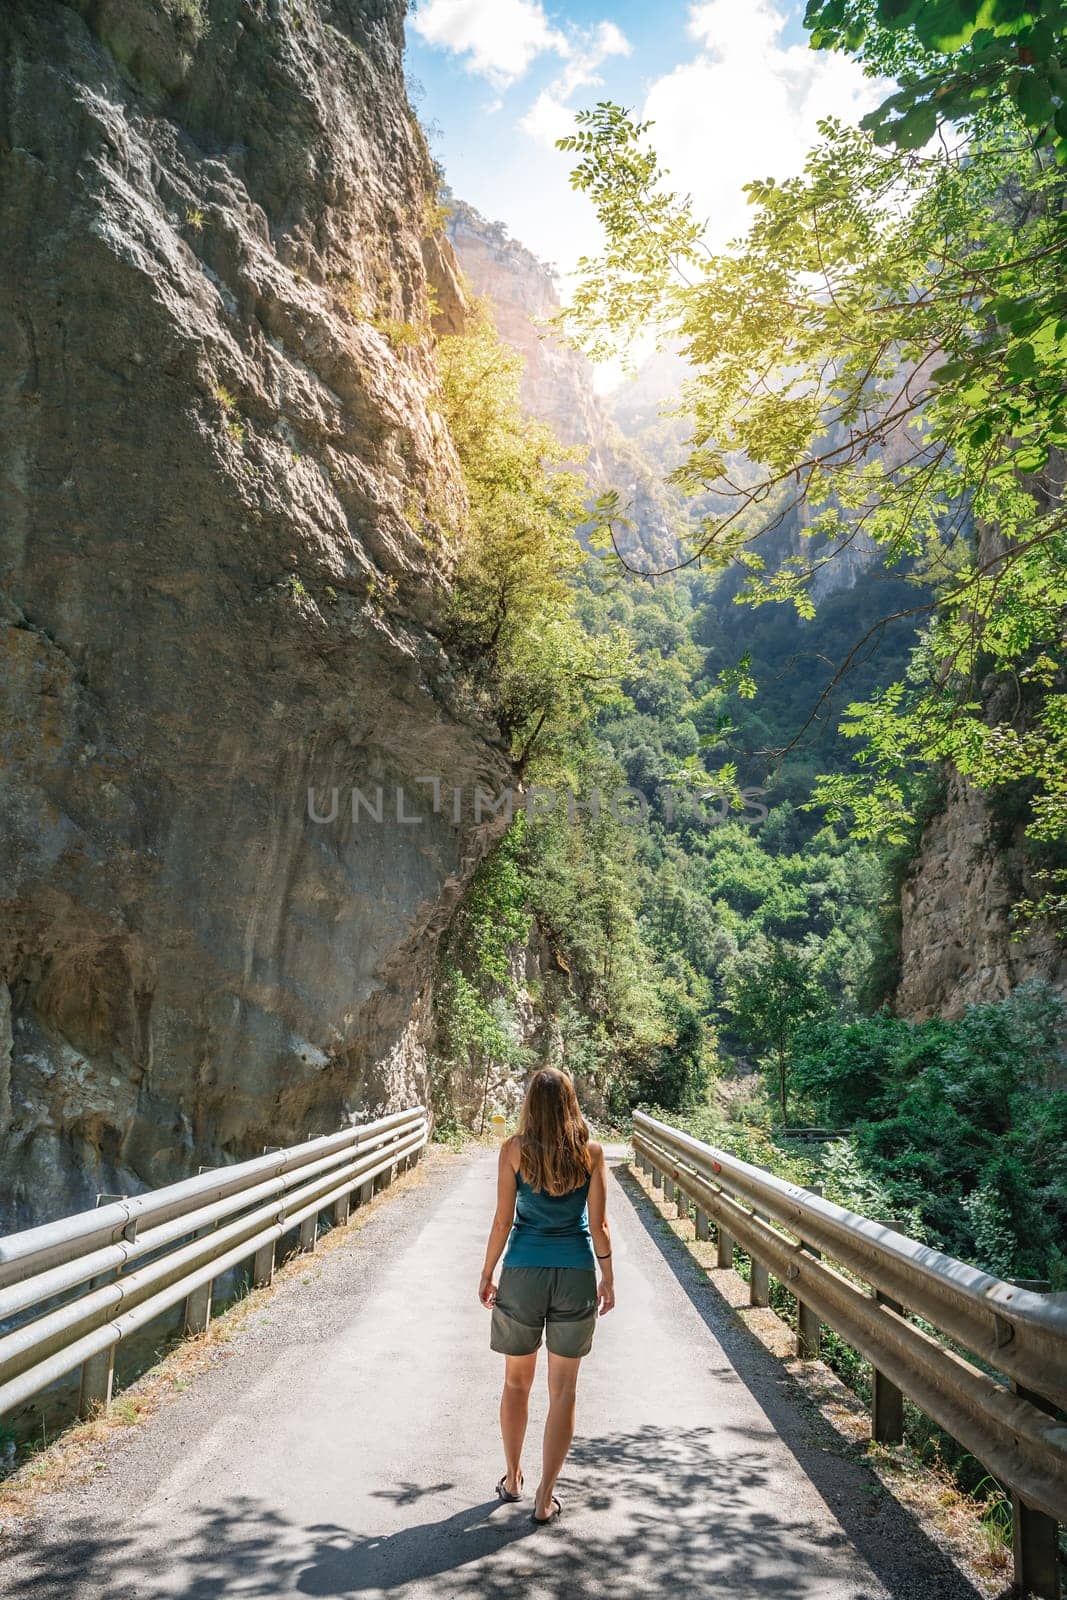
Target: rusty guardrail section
(1006, 1418)
(92, 1279)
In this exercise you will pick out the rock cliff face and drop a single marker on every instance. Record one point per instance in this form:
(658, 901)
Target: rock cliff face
(557, 381)
(973, 864)
(225, 497)
(957, 947)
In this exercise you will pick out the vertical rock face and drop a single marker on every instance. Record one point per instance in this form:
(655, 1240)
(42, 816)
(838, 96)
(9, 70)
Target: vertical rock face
(557, 381)
(960, 942)
(957, 947)
(225, 503)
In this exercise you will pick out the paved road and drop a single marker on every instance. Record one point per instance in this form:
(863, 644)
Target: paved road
(349, 1449)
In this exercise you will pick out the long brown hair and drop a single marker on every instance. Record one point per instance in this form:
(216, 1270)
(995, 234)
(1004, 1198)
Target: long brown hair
(553, 1135)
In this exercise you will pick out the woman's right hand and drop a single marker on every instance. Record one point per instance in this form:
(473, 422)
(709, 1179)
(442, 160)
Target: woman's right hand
(487, 1291)
(605, 1297)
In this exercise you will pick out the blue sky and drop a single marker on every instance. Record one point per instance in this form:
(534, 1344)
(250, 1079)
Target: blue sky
(731, 85)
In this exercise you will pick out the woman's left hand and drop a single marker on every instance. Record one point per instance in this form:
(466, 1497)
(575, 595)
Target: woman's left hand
(487, 1291)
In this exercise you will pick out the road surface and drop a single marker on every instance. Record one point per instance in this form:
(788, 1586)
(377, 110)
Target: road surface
(348, 1448)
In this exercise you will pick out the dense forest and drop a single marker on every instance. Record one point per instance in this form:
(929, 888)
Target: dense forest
(866, 597)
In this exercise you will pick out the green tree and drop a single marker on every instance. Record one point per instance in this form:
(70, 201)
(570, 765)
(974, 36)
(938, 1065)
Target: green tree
(511, 614)
(772, 994)
(956, 59)
(888, 347)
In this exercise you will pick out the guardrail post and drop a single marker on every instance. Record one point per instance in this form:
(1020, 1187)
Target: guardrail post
(759, 1283)
(703, 1224)
(808, 1333)
(808, 1326)
(725, 1257)
(263, 1266)
(1034, 1536)
(198, 1303)
(198, 1308)
(97, 1378)
(309, 1234)
(759, 1277)
(887, 1401)
(668, 1189)
(341, 1209)
(98, 1373)
(366, 1192)
(683, 1202)
(657, 1177)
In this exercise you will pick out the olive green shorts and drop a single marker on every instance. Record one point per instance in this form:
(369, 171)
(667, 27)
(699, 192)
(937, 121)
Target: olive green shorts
(530, 1300)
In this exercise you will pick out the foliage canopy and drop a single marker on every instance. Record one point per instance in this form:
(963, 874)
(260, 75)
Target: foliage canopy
(887, 349)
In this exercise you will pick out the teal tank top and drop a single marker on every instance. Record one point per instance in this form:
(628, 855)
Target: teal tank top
(550, 1230)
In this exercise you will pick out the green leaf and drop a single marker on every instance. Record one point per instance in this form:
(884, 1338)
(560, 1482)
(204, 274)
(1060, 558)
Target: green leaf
(1033, 96)
(1022, 360)
(1032, 459)
(915, 129)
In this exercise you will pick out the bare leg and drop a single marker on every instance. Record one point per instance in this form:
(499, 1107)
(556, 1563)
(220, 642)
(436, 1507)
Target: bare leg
(514, 1408)
(559, 1426)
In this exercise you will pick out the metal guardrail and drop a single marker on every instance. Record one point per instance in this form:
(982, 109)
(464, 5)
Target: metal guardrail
(1006, 1417)
(92, 1279)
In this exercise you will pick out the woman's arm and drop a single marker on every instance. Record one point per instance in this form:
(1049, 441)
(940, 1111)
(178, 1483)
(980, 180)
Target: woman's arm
(598, 1228)
(505, 1214)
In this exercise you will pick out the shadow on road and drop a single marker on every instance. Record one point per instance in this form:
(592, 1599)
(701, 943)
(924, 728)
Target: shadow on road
(658, 1512)
(683, 1510)
(882, 1530)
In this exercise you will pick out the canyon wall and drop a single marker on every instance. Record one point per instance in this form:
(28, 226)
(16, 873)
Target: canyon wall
(225, 500)
(557, 381)
(959, 939)
(962, 940)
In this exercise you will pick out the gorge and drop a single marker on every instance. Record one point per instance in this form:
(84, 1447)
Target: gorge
(232, 515)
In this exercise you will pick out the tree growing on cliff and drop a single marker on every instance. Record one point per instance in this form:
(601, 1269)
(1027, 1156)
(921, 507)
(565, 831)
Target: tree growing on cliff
(888, 345)
(512, 616)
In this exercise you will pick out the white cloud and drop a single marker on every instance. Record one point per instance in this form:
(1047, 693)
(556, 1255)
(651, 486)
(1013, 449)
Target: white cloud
(550, 117)
(587, 52)
(499, 37)
(547, 120)
(746, 107)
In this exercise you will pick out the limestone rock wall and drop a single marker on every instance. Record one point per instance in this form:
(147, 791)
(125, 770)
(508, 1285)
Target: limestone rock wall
(225, 499)
(557, 381)
(957, 944)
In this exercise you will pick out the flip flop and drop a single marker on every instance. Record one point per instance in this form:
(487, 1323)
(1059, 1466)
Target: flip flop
(557, 1511)
(506, 1494)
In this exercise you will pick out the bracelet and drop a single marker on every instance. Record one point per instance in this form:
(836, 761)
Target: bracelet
(604, 1257)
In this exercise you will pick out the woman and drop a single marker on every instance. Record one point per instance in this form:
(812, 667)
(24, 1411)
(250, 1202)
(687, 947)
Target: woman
(551, 1200)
